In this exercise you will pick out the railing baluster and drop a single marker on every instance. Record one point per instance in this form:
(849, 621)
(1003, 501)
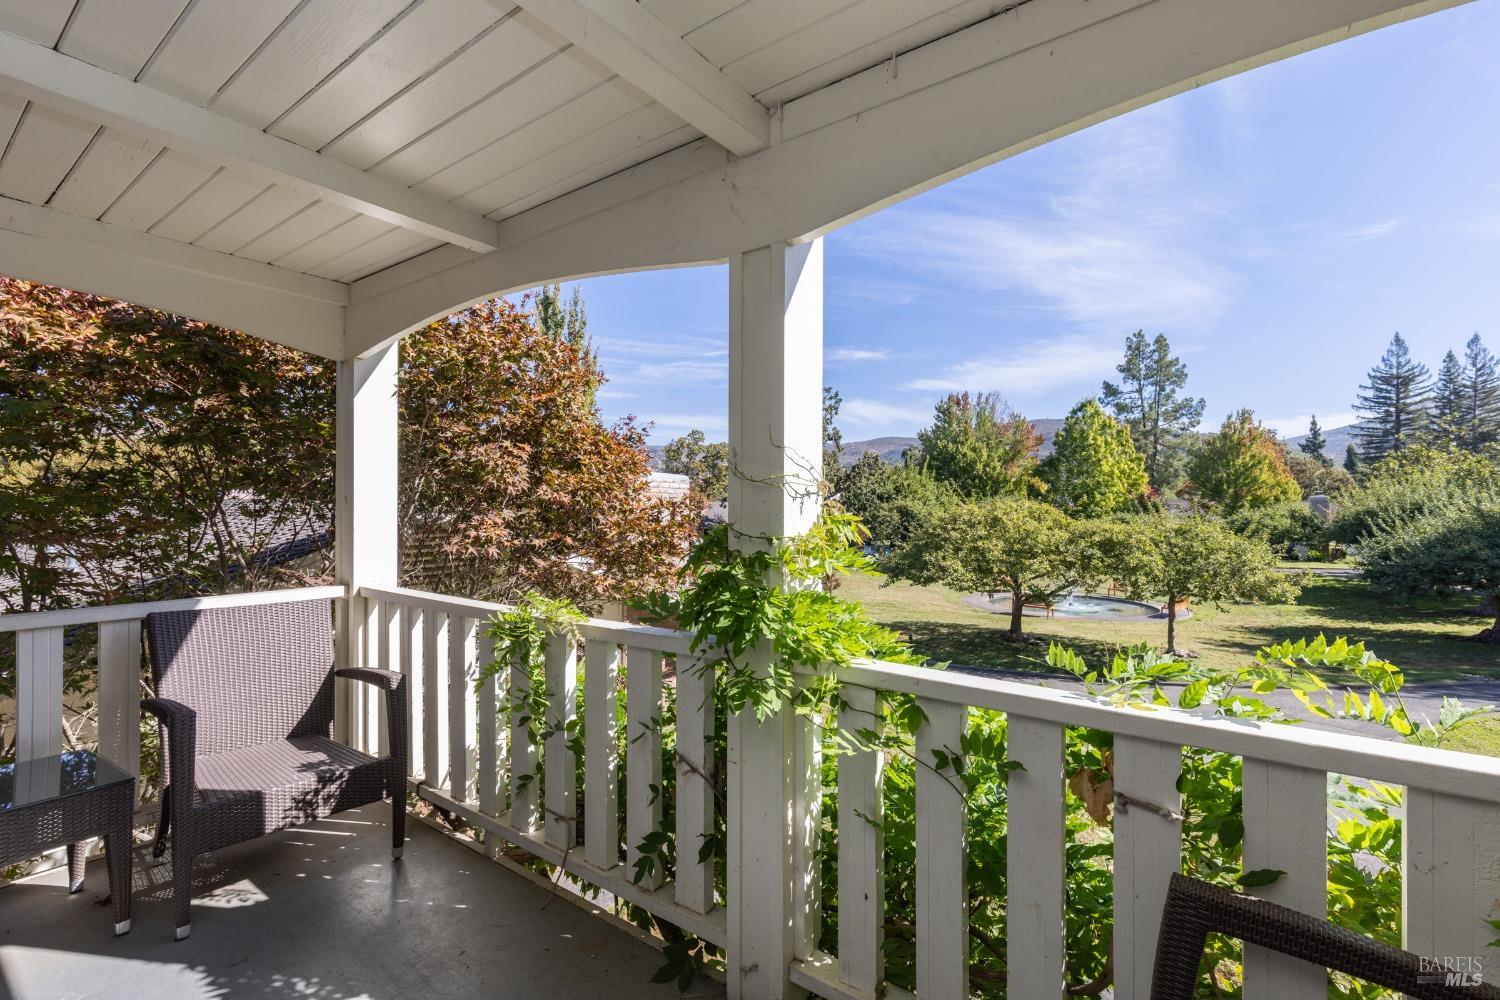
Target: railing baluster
(694, 884)
(1035, 954)
(1286, 829)
(523, 750)
(807, 828)
(861, 847)
(642, 755)
(39, 692)
(601, 806)
(562, 709)
(368, 696)
(410, 654)
(435, 697)
(1148, 849)
(1450, 878)
(462, 671)
(388, 636)
(942, 950)
(488, 782)
(120, 693)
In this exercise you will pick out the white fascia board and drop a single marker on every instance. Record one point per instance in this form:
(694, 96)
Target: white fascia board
(72, 85)
(626, 38)
(43, 244)
(1008, 84)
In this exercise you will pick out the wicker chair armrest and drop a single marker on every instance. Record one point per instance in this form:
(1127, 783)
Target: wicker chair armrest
(388, 680)
(396, 714)
(181, 744)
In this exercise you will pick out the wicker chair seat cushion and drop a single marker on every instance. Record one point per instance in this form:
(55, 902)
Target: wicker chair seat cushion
(271, 786)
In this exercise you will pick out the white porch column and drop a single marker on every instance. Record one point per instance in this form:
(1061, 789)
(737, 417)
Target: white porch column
(364, 520)
(776, 457)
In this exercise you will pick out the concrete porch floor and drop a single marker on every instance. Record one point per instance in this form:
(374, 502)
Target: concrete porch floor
(321, 912)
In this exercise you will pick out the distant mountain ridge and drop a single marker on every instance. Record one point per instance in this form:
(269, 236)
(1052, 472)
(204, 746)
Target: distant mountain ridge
(890, 448)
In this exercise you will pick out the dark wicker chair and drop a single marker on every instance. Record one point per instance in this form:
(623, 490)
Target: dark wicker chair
(245, 696)
(1195, 908)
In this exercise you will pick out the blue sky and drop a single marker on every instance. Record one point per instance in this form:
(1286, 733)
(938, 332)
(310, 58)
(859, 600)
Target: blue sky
(1278, 226)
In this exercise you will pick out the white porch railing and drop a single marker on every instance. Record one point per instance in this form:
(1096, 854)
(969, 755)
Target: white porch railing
(467, 760)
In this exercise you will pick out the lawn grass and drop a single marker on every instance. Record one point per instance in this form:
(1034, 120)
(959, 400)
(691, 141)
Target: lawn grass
(1423, 636)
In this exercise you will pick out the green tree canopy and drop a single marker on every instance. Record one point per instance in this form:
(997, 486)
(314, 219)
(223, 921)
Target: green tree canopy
(1176, 558)
(1479, 421)
(833, 438)
(980, 446)
(705, 463)
(1393, 404)
(1241, 466)
(1314, 476)
(1312, 446)
(1010, 545)
(1452, 543)
(1149, 398)
(1405, 486)
(1094, 469)
(892, 500)
(1352, 462)
(1280, 525)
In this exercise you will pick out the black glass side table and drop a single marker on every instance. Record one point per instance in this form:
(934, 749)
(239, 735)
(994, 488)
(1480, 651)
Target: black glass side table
(64, 799)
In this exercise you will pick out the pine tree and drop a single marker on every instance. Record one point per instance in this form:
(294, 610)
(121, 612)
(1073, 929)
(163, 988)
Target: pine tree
(1148, 399)
(1480, 420)
(1312, 446)
(1352, 464)
(1394, 403)
(1446, 426)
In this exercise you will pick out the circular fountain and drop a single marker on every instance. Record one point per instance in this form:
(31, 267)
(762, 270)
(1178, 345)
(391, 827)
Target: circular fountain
(1099, 607)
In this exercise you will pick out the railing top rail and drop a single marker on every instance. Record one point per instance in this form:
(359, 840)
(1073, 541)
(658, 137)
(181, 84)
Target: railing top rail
(129, 611)
(665, 640)
(1447, 771)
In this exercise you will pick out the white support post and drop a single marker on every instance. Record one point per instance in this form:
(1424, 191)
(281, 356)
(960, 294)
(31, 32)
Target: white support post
(1035, 943)
(365, 511)
(776, 455)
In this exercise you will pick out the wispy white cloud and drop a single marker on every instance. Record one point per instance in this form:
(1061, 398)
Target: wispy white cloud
(1374, 230)
(1289, 427)
(1115, 246)
(872, 417)
(855, 355)
(1030, 370)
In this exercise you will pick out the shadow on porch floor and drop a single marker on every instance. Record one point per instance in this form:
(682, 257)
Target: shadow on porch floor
(320, 912)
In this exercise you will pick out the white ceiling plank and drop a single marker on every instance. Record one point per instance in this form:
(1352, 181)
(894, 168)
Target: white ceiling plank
(1010, 83)
(85, 90)
(607, 143)
(224, 194)
(683, 16)
(592, 111)
(396, 245)
(624, 36)
(43, 244)
(356, 232)
(44, 147)
(505, 52)
(314, 42)
(11, 108)
(755, 24)
(414, 46)
(544, 88)
(161, 187)
(259, 216)
(113, 160)
(301, 229)
(119, 37)
(40, 21)
(654, 142)
(211, 41)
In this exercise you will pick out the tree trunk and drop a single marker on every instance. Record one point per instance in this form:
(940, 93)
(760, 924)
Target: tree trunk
(1492, 634)
(1171, 624)
(1017, 600)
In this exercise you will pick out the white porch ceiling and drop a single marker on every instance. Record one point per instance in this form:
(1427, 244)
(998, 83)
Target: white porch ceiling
(367, 164)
